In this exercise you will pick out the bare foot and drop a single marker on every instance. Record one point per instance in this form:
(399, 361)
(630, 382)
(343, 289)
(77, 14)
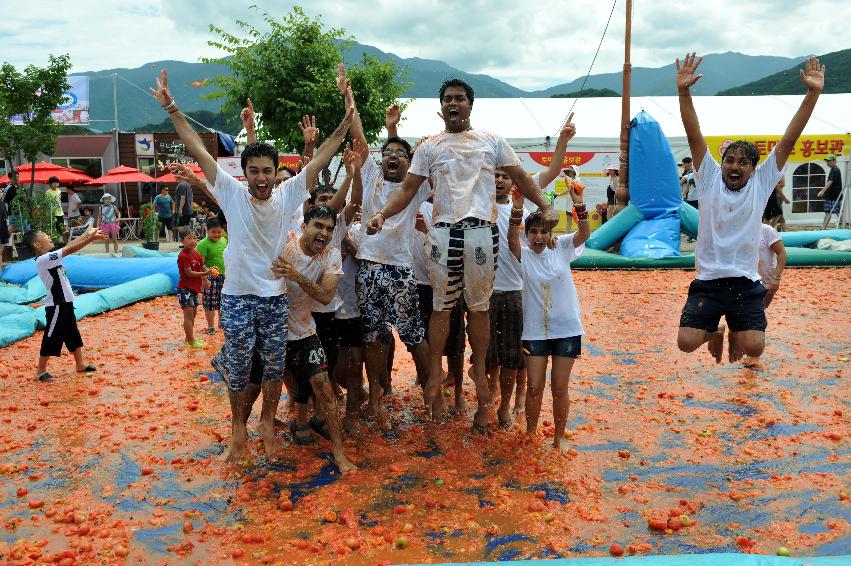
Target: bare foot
(238, 448)
(519, 406)
(716, 343)
(346, 467)
(751, 362)
(349, 425)
(438, 407)
(734, 353)
(460, 402)
(374, 404)
(271, 445)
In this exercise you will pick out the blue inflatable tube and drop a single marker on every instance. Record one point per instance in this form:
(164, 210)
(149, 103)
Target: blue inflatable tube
(616, 228)
(688, 219)
(654, 185)
(98, 273)
(653, 239)
(808, 238)
(32, 291)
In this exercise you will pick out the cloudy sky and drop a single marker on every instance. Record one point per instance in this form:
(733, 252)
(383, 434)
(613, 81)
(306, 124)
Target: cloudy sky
(528, 44)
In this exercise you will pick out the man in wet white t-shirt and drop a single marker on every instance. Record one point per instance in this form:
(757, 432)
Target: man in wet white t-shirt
(732, 196)
(460, 164)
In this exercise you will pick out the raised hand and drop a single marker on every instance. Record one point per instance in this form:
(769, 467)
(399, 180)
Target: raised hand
(93, 233)
(361, 150)
(686, 77)
(309, 130)
(814, 77)
(517, 198)
(247, 117)
(184, 173)
(162, 94)
(350, 160)
(392, 116)
(569, 129)
(576, 189)
(342, 81)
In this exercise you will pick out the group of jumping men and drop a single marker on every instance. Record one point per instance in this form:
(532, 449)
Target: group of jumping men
(453, 228)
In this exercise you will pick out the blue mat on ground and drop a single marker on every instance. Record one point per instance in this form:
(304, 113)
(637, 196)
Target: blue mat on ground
(15, 326)
(98, 273)
(716, 559)
(139, 251)
(30, 292)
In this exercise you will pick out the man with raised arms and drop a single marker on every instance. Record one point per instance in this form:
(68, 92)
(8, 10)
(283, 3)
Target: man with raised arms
(732, 197)
(463, 243)
(254, 304)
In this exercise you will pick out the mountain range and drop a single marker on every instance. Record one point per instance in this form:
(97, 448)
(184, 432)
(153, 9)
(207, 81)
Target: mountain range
(190, 82)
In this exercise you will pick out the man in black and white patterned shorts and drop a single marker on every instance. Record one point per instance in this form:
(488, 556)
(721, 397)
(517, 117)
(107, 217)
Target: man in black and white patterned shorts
(463, 245)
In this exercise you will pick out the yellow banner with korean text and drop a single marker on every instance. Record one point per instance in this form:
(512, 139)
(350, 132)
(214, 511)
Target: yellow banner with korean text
(808, 148)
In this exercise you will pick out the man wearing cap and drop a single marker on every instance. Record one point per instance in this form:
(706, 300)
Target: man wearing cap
(832, 190)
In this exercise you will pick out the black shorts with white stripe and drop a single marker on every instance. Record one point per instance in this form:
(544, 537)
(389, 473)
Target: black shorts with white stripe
(61, 329)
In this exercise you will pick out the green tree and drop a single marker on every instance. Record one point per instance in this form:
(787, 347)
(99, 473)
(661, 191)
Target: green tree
(291, 70)
(32, 94)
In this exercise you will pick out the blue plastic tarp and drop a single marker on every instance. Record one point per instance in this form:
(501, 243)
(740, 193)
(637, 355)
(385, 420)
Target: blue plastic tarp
(17, 326)
(30, 292)
(709, 559)
(653, 239)
(653, 177)
(616, 228)
(98, 273)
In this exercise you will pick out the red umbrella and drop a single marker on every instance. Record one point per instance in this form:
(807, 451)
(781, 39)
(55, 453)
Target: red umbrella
(44, 171)
(170, 178)
(122, 174)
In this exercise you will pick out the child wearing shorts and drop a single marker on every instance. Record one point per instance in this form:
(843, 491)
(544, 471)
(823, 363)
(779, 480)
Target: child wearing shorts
(109, 215)
(552, 326)
(193, 276)
(59, 302)
(212, 250)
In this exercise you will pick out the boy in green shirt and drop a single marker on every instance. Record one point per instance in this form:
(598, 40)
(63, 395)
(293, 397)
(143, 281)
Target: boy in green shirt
(212, 249)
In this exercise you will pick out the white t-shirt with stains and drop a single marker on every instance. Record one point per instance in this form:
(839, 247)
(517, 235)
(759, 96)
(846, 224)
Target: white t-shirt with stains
(392, 245)
(418, 248)
(257, 232)
(461, 167)
(730, 221)
(340, 231)
(550, 303)
(346, 286)
(301, 324)
(508, 276)
(767, 257)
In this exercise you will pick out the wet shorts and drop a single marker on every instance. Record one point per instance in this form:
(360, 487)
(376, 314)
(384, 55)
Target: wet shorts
(387, 297)
(213, 295)
(305, 358)
(462, 261)
(351, 332)
(570, 347)
(249, 321)
(329, 334)
(61, 329)
(455, 341)
(506, 319)
(739, 299)
(187, 298)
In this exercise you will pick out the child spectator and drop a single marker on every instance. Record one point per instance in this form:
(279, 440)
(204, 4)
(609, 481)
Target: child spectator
(193, 274)
(109, 215)
(212, 250)
(59, 303)
(772, 259)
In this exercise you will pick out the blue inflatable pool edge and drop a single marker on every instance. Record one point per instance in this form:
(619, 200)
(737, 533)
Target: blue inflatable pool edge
(712, 559)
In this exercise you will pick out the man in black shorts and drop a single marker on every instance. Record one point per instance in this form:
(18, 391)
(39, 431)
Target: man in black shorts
(732, 198)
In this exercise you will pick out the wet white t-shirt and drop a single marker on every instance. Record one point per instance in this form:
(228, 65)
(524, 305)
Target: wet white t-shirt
(550, 303)
(392, 245)
(508, 276)
(257, 232)
(302, 305)
(730, 220)
(346, 286)
(461, 167)
(767, 257)
(418, 248)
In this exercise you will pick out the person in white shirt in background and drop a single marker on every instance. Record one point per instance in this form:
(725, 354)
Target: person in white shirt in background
(732, 199)
(464, 240)
(254, 304)
(312, 268)
(506, 364)
(552, 325)
(772, 262)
